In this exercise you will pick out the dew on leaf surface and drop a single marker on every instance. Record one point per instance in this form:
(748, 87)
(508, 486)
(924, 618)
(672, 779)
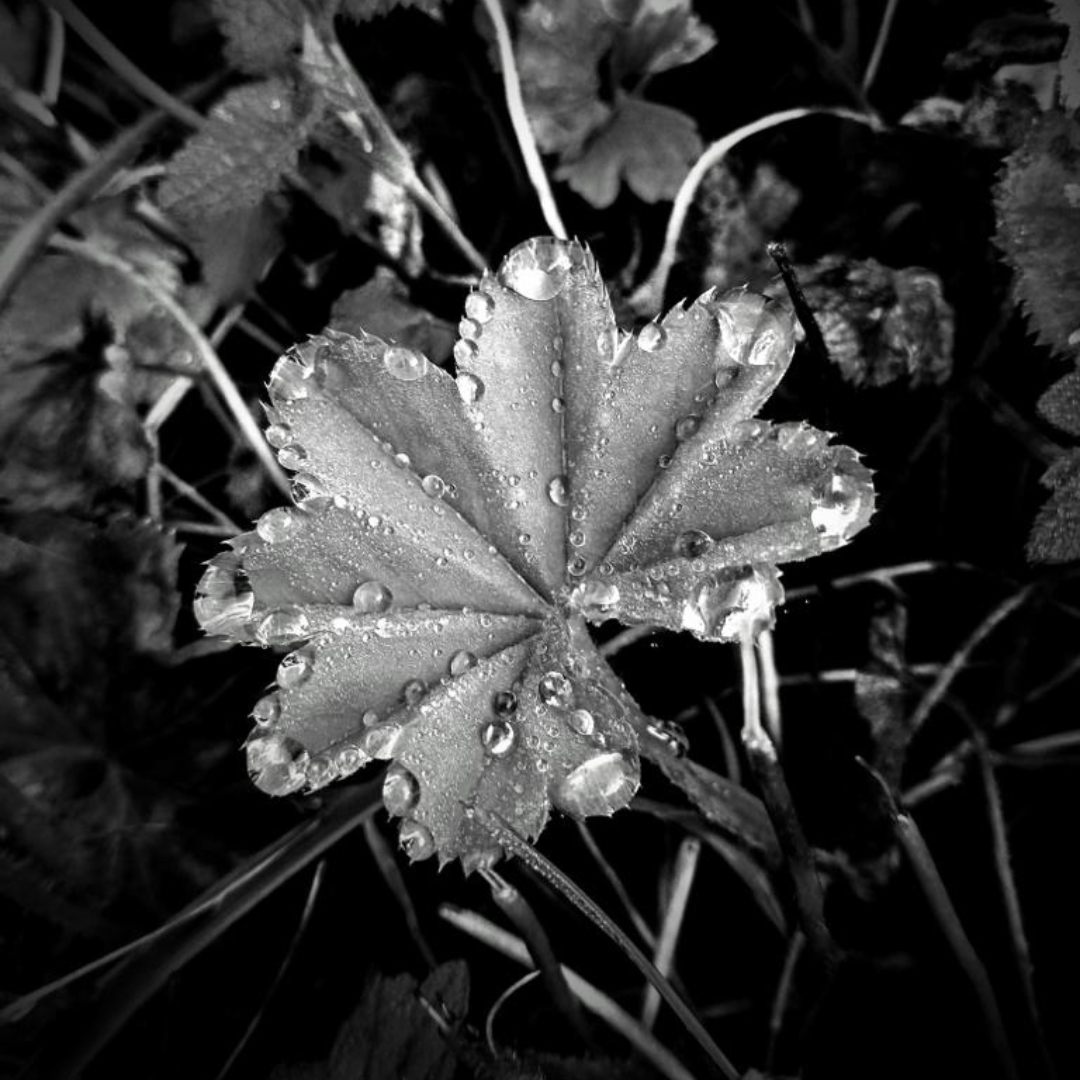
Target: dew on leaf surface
(470, 387)
(372, 597)
(282, 626)
(277, 525)
(416, 840)
(497, 737)
(405, 364)
(505, 702)
(537, 270)
(480, 307)
(277, 764)
(601, 785)
(651, 338)
(294, 669)
(555, 688)
(400, 791)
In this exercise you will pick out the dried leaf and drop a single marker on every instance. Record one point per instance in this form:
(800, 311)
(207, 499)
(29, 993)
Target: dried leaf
(649, 146)
(251, 140)
(1038, 204)
(451, 537)
(1055, 536)
(1061, 403)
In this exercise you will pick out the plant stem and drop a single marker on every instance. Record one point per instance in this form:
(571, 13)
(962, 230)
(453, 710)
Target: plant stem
(783, 996)
(632, 913)
(129, 72)
(879, 45)
(811, 327)
(519, 119)
(805, 883)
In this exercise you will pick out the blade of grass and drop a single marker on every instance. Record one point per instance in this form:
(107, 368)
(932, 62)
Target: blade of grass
(782, 997)
(595, 1000)
(515, 844)
(682, 879)
(500, 1001)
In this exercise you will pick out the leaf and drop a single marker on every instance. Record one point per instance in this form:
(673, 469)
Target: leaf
(1038, 209)
(664, 34)
(391, 1034)
(382, 307)
(1061, 403)
(881, 325)
(451, 536)
(251, 140)
(261, 36)
(363, 10)
(1055, 536)
(649, 146)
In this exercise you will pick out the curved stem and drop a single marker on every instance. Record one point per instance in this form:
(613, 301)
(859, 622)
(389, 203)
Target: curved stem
(520, 120)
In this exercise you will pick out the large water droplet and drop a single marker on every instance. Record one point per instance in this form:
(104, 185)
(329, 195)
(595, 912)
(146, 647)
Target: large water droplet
(460, 662)
(416, 840)
(382, 740)
(266, 710)
(282, 626)
(307, 488)
(595, 599)
(372, 597)
(497, 737)
(537, 269)
(555, 688)
(582, 721)
(348, 759)
(294, 669)
(433, 485)
(692, 544)
(465, 351)
(226, 600)
(505, 702)
(292, 456)
(277, 525)
(277, 764)
(601, 785)
(774, 340)
(651, 338)
(279, 436)
(405, 364)
(470, 387)
(400, 791)
(480, 307)
(725, 609)
(290, 379)
(837, 507)
(557, 491)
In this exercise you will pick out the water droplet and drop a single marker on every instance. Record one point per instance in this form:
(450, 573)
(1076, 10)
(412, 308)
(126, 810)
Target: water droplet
(670, 735)
(470, 387)
(606, 569)
(277, 764)
(480, 307)
(290, 379)
(505, 702)
(400, 791)
(836, 507)
(651, 338)
(497, 737)
(294, 669)
(524, 538)
(774, 340)
(370, 718)
(348, 759)
(577, 538)
(595, 599)
(465, 351)
(557, 491)
(576, 566)
(692, 544)
(372, 597)
(537, 269)
(292, 456)
(558, 405)
(413, 691)
(405, 364)
(601, 785)
(381, 741)
(277, 525)
(726, 608)
(460, 662)
(433, 485)
(664, 461)
(282, 626)
(687, 427)
(555, 689)
(469, 329)
(582, 721)
(556, 368)
(266, 710)
(416, 840)
(319, 773)
(226, 601)
(279, 436)
(305, 488)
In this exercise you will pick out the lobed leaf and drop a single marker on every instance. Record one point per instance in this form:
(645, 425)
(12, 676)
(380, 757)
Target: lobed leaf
(451, 536)
(1055, 536)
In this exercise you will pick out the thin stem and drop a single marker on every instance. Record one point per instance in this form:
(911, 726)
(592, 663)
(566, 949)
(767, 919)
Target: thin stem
(807, 320)
(805, 883)
(437, 212)
(879, 45)
(52, 76)
(208, 357)
(683, 873)
(627, 637)
(519, 119)
(595, 1000)
(932, 697)
(196, 496)
(1011, 899)
(632, 913)
(128, 71)
(517, 845)
(649, 297)
(770, 686)
(783, 997)
(500, 1001)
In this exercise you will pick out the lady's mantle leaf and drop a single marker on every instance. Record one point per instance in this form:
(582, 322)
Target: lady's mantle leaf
(252, 139)
(1060, 404)
(1055, 536)
(452, 535)
(649, 146)
(261, 36)
(1038, 203)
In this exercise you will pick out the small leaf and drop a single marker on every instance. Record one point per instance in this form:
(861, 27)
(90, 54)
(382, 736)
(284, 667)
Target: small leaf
(1055, 536)
(663, 35)
(451, 536)
(261, 36)
(1038, 204)
(251, 140)
(1060, 404)
(649, 146)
